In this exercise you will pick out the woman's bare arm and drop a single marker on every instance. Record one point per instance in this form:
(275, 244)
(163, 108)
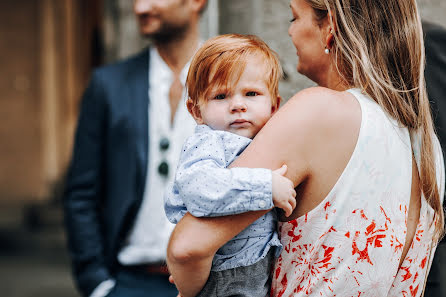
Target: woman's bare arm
(193, 244)
(291, 137)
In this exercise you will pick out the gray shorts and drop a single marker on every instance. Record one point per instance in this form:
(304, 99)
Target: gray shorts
(246, 281)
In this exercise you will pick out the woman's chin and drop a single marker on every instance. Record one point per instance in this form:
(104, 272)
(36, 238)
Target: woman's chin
(301, 70)
(311, 75)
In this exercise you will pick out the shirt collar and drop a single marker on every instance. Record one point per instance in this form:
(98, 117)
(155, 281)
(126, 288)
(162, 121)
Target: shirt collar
(163, 72)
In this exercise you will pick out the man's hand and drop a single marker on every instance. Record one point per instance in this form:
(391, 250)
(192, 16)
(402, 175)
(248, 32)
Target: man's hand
(284, 195)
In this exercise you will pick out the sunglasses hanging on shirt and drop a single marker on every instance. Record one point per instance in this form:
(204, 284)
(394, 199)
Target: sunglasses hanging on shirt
(163, 167)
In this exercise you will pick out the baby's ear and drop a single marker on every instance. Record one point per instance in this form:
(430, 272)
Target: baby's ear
(276, 106)
(194, 110)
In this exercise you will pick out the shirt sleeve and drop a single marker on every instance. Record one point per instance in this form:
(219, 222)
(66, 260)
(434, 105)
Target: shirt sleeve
(207, 188)
(103, 289)
(174, 206)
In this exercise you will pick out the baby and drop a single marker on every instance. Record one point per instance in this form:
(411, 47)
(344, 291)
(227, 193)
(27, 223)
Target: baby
(232, 86)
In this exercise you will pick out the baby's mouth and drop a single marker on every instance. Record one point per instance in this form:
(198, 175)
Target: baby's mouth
(240, 123)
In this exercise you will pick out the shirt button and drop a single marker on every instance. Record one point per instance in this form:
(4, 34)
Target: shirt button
(262, 204)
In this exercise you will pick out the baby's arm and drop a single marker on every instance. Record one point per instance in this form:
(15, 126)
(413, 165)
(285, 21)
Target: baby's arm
(207, 188)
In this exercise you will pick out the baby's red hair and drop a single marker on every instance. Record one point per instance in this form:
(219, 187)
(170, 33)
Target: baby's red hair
(221, 60)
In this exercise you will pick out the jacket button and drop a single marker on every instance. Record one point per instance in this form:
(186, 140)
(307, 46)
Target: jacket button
(163, 169)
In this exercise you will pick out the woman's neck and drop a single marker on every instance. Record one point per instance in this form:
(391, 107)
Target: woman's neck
(333, 80)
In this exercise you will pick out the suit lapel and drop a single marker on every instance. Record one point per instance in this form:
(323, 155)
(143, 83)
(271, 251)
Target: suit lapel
(139, 87)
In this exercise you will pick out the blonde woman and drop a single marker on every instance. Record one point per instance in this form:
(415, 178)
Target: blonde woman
(362, 153)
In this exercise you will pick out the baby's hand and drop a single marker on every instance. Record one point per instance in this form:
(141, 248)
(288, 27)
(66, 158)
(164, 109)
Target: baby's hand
(284, 195)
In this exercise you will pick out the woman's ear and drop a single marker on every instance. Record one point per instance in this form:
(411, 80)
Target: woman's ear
(329, 40)
(194, 110)
(331, 30)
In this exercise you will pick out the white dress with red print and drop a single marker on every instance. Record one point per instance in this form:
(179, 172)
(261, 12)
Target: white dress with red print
(351, 243)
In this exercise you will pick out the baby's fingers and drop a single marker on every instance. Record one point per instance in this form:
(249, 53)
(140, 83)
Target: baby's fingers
(287, 209)
(282, 170)
(293, 198)
(293, 202)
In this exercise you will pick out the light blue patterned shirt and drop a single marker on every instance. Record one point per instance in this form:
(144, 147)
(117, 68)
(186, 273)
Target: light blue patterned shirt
(205, 187)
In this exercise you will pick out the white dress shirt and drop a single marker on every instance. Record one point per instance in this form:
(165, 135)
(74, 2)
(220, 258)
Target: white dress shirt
(147, 242)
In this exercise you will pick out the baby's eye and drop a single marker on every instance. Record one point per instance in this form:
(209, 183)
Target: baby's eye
(220, 96)
(251, 93)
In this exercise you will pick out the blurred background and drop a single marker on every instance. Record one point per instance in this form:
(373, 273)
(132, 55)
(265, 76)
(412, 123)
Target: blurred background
(48, 49)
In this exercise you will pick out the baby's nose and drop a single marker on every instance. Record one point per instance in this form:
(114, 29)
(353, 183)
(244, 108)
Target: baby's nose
(238, 104)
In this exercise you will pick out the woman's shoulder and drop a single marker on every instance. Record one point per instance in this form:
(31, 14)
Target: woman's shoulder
(316, 91)
(323, 107)
(322, 99)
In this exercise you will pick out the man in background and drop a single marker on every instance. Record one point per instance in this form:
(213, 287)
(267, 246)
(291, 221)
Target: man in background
(435, 74)
(131, 127)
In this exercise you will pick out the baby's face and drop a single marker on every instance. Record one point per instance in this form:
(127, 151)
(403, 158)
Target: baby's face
(245, 108)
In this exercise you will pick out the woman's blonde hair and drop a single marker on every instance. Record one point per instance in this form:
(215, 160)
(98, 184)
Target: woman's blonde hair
(378, 47)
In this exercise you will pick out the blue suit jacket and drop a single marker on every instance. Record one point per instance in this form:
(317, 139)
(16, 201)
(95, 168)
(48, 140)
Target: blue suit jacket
(106, 178)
